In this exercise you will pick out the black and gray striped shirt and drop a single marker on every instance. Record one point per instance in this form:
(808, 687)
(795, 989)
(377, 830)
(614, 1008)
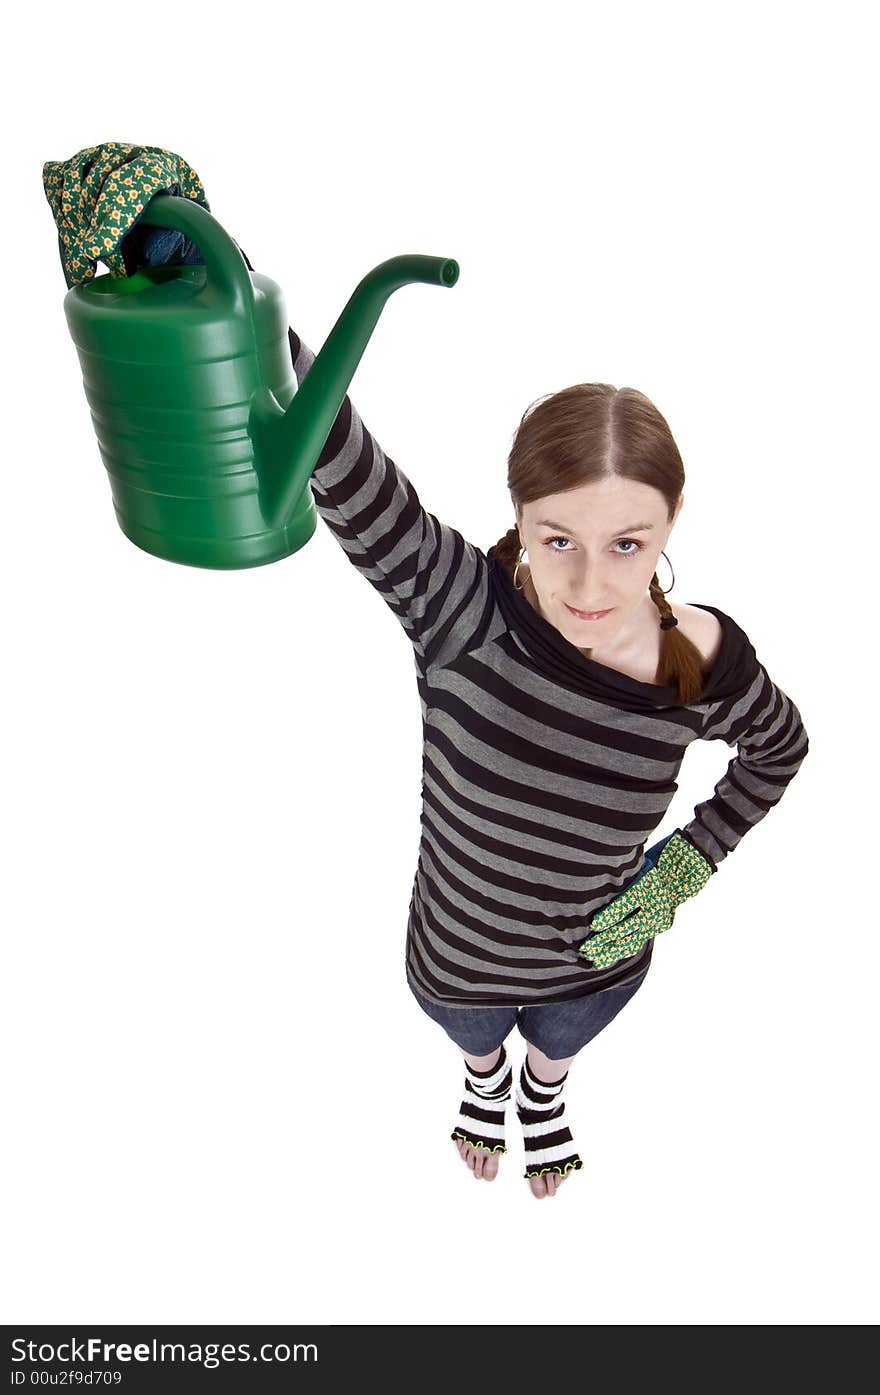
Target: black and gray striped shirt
(544, 772)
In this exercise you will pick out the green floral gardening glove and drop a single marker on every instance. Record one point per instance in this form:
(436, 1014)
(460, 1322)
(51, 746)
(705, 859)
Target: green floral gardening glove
(647, 907)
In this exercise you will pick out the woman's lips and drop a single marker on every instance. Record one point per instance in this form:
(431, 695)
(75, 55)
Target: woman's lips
(588, 614)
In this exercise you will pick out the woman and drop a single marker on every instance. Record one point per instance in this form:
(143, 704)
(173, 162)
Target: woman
(552, 739)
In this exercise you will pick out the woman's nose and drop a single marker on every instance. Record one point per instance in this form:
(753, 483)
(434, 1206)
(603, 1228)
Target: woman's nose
(590, 585)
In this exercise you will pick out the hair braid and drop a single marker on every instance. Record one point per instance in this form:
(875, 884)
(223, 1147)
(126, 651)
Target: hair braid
(660, 600)
(680, 660)
(507, 550)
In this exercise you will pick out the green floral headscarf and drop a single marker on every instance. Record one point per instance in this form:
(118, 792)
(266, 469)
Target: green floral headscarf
(98, 195)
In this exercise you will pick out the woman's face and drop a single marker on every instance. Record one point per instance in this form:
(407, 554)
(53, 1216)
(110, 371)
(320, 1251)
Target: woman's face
(595, 548)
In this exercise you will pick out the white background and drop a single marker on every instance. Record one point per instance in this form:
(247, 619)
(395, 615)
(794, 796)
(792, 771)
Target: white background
(223, 1103)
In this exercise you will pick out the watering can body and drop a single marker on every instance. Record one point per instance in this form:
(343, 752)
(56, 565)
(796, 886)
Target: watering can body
(207, 442)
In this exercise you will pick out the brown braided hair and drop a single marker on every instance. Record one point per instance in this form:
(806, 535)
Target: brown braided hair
(586, 433)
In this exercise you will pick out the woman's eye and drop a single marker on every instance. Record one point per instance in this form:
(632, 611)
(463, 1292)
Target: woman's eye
(633, 546)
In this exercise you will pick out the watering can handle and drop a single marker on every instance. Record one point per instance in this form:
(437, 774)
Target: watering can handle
(227, 275)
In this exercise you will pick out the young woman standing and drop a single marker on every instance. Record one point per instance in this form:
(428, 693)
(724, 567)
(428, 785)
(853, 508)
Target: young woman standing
(558, 699)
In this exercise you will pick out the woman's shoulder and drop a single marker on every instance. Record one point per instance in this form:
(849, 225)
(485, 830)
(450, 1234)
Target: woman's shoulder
(702, 628)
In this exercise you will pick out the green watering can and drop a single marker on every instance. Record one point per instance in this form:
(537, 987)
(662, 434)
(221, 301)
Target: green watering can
(208, 444)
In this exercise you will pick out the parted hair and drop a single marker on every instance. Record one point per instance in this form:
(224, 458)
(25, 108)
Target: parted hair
(586, 433)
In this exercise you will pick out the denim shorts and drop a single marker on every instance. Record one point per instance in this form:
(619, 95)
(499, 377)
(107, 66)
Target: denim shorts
(559, 1030)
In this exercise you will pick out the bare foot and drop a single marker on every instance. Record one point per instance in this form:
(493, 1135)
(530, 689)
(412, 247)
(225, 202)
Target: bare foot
(547, 1184)
(481, 1162)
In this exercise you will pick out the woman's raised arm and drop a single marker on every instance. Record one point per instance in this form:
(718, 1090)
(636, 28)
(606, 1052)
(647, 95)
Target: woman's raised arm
(432, 578)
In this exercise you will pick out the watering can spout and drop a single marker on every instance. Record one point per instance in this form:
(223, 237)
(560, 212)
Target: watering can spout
(288, 443)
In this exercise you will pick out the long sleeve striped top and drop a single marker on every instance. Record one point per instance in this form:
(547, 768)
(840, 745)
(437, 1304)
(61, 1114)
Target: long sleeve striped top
(544, 772)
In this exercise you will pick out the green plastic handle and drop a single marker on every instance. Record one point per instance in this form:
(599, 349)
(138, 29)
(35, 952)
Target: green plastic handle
(227, 278)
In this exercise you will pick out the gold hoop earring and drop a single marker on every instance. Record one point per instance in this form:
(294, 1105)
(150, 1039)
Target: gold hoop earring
(516, 569)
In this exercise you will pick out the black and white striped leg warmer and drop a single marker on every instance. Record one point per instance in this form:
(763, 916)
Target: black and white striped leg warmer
(481, 1117)
(548, 1141)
